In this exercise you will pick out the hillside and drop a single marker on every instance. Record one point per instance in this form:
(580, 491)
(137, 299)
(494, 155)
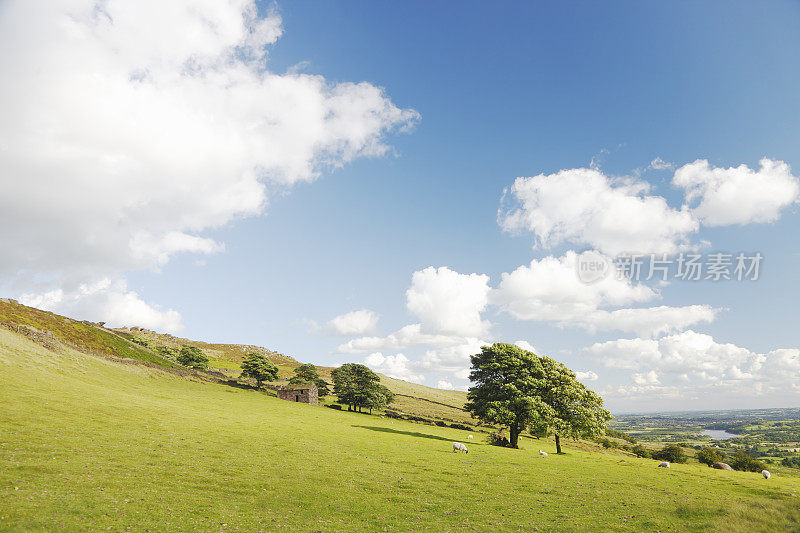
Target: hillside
(90, 443)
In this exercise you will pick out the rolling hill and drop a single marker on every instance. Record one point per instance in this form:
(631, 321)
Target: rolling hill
(92, 442)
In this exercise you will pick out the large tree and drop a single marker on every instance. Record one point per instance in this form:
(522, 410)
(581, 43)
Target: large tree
(307, 373)
(517, 389)
(575, 411)
(358, 387)
(259, 367)
(508, 382)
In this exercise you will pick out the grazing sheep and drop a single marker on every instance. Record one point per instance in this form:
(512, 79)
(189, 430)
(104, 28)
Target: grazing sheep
(469, 437)
(722, 466)
(766, 474)
(459, 447)
(663, 464)
(542, 453)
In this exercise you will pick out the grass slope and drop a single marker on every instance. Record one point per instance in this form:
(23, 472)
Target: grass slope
(53, 330)
(88, 443)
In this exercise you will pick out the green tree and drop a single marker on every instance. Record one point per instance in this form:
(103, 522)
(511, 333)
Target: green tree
(308, 373)
(507, 391)
(741, 461)
(671, 453)
(575, 410)
(193, 357)
(358, 387)
(709, 456)
(259, 367)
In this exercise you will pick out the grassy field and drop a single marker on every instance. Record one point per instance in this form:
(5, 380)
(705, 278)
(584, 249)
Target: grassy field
(88, 443)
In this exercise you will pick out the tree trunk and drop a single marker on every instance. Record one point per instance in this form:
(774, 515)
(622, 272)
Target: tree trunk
(558, 445)
(514, 434)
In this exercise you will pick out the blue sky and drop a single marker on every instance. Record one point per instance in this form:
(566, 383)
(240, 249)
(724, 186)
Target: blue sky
(502, 90)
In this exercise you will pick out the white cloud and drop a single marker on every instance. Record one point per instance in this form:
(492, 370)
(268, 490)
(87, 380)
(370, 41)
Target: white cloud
(586, 376)
(550, 290)
(660, 164)
(107, 301)
(395, 366)
(358, 322)
(444, 384)
(525, 345)
(650, 378)
(128, 129)
(455, 358)
(692, 356)
(583, 206)
(649, 321)
(738, 195)
(405, 337)
(449, 303)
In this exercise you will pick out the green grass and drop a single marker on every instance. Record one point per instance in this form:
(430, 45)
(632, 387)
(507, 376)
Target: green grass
(89, 444)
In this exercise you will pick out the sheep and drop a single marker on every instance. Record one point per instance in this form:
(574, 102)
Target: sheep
(543, 454)
(766, 474)
(459, 447)
(469, 437)
(663, 464)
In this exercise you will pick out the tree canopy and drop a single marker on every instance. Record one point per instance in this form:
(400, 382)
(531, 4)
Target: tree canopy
(358, 387)
(307, 373)
(193, 357)
(259, 367)
(518, 390)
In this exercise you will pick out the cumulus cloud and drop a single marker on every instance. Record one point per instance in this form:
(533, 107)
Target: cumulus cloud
(550, 290)
(444, 384)
(738, 195)
(586, 376)
(449, 303)
(358, 322)
(395, 366)
(107, 301)
(691, 356)
(525, 345)
(585, 207)
(128, 129)
(405, 337)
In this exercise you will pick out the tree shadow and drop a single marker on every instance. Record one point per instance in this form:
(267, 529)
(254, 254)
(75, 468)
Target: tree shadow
(409, 433)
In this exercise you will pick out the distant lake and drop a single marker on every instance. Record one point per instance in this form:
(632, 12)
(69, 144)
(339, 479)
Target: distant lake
(718, 434)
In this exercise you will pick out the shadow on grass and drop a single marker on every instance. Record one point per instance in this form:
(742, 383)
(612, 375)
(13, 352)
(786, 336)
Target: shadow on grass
(409, 433)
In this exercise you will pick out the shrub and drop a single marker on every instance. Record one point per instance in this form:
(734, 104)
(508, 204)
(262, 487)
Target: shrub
(792, 462)
(461, 427)
(671, 453)
(334, 406)
(709, 456)
(497, 439)
(745, 463)
(641, 451)
(441, 423)
(193, 357)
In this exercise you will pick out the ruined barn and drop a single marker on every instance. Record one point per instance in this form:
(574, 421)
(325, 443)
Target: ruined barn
(299, 392)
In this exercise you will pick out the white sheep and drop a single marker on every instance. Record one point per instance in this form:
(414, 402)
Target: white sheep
(663, 464)
(544, 454)
(469, 437)
(766, 474)
(459, 447)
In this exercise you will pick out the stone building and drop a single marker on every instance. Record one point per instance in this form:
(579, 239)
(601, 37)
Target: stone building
(299, 392)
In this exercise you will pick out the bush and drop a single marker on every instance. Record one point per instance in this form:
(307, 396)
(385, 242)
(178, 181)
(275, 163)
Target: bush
(334, 406)
(792, 462)
(709, 456)
(193, 357)
(461, 427)
(745, 463)
(641, 451)
(496, 439)
(670, 453)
